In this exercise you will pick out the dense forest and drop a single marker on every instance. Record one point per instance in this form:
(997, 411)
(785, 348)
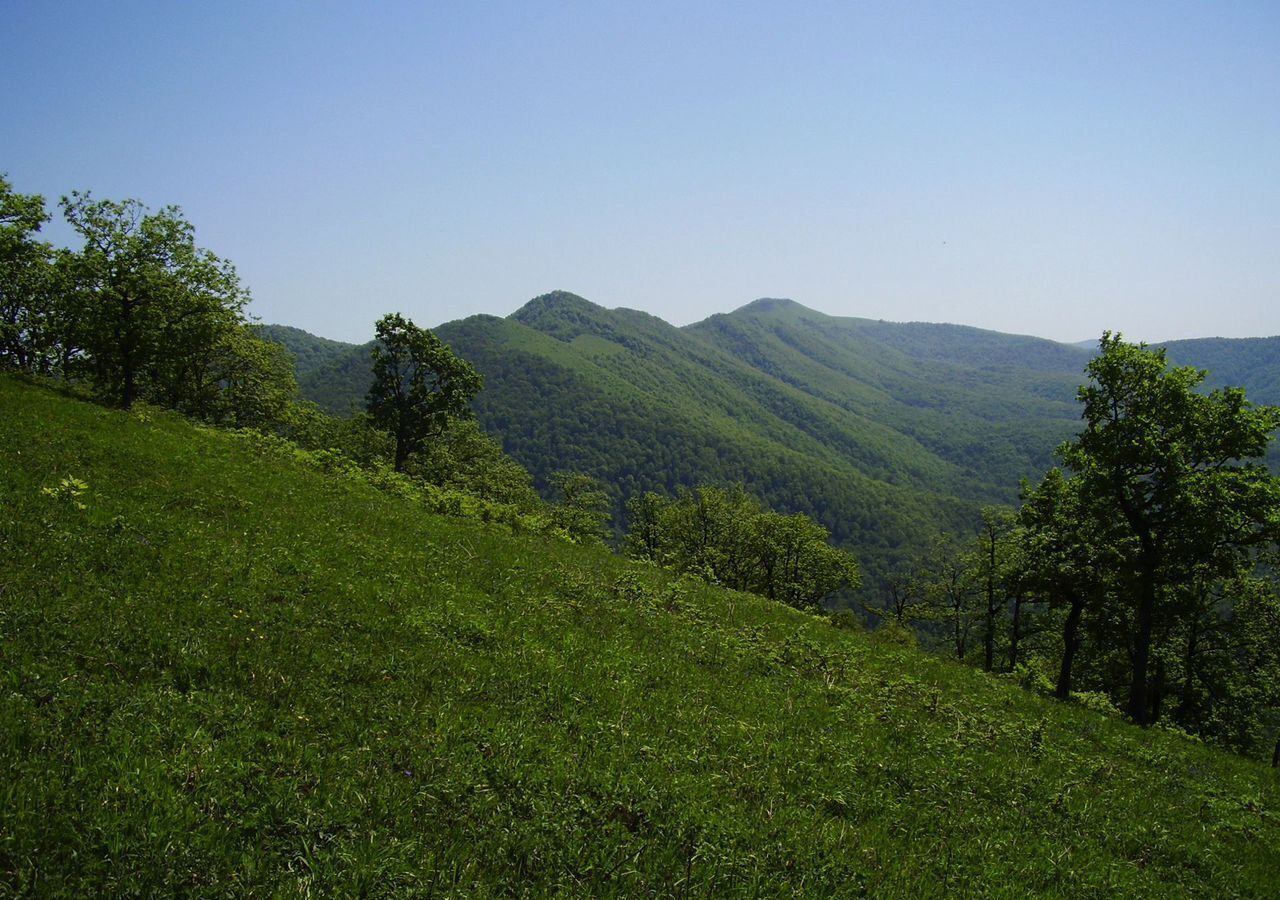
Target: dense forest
(1112, 543)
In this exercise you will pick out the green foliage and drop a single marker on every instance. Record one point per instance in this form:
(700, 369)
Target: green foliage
(139, 311)
(466, 459)
(845, 619)
(28, 283)
(891, 632)
(884, 433)
(256, 379)
(356, 438)
(581, 508)
(419, 386)
(233, 674)
(726, 537)
(1171, 469)
(150, 311)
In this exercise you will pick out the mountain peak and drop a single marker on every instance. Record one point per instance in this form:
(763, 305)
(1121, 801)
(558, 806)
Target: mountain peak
(562, 315)
(554, 303)
(773, 306)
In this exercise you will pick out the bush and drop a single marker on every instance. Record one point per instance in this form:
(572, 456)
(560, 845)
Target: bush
(845, 619)
(891, 632)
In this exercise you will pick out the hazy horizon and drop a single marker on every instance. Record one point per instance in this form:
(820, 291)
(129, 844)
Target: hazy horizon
(1046, 171)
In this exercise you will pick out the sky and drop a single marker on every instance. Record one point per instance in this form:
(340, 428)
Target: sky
(1042, 168)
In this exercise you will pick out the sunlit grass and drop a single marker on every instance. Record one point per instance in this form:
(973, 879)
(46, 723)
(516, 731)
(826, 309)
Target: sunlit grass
(228, 674)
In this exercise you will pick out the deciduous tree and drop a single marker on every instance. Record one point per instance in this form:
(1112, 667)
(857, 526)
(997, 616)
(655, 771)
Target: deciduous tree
(419, 385)
(150, 307)
(1178, 469)
(26, 282)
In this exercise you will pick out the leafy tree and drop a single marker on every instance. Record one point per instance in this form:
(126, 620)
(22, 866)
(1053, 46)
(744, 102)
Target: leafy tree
(903, 591)
(256, 381)
(356, 437)
(645, 537)
(26, 282)
(582, 506)
(150, 306)
(949, 590)
(725, 536)
(1244, 707)
(465, 458)
(992, 546)
(1068, 555)
(419, 385)
(796, 564)
(1175, 469)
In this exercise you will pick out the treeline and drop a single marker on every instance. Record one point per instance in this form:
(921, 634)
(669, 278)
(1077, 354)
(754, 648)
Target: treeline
(1142, 576)
(139, 312)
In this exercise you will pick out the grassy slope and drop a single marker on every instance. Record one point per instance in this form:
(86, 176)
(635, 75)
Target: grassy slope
(233, 675)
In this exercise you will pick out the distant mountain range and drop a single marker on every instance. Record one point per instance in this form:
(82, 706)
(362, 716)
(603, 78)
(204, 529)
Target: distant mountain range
(885, 432)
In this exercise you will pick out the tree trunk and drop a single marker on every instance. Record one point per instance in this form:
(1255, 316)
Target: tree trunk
(959, 635)
(1015, 631)
(989, 639)
(1157, 691)
(1275, 757)
(402, 444)
(127, 397)
(1139, 690)
(1185, 707)
(1070, 644)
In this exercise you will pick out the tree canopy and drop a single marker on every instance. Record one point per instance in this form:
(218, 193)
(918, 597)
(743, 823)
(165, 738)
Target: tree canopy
(1177, 469)
(419, 385)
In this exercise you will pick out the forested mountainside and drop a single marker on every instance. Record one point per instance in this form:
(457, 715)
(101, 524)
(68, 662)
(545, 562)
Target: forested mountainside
(1251, 363)
(884, 432)
(233, 672)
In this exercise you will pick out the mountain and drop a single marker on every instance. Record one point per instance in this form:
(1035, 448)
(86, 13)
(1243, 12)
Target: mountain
(885, 432)
(311, 354)
(1251, 363)
(227, 673)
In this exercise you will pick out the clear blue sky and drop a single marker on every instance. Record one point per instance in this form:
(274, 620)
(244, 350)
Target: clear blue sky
(1044, 168)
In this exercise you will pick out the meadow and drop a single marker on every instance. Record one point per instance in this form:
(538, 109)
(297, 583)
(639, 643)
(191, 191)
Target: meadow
(227, 672)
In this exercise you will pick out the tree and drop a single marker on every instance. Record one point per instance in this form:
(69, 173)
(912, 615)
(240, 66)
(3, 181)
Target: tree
(150, 305)
(949, 590)
(419, 385)
(256, 381)
(1175, 468)
(796, 565)
(465, 458)
(904, 592)
(26, 282)
(582, 508)
(724, 535)
(1068, 555)
(991, 547)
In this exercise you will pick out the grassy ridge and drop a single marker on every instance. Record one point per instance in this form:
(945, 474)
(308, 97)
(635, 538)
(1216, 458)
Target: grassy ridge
(231, 675)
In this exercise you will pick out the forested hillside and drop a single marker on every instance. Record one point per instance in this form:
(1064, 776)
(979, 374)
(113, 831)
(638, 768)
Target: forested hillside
(885, 432)
(230, 673)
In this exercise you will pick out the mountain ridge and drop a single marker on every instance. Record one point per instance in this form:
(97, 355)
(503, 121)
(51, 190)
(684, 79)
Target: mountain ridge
(882, 431)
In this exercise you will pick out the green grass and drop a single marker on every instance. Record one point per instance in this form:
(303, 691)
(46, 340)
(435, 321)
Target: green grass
(231, 675)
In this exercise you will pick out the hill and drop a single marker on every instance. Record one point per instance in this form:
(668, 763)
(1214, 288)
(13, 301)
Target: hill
(229, 674)
(884, 432)
(1251, 363)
